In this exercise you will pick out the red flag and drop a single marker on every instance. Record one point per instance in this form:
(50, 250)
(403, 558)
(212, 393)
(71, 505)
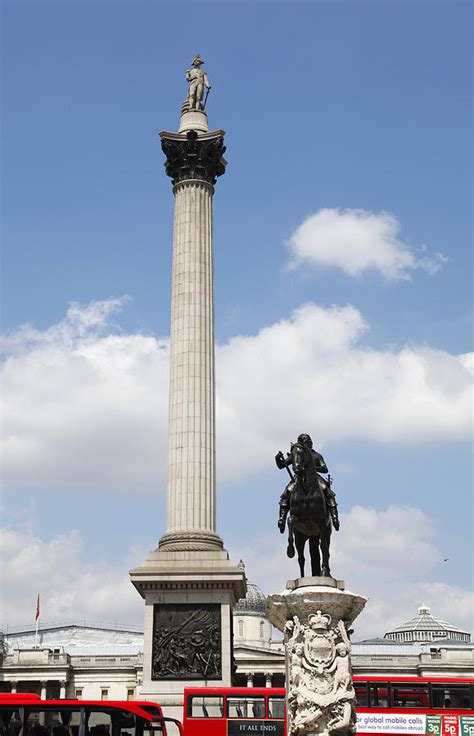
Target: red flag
(37, 608)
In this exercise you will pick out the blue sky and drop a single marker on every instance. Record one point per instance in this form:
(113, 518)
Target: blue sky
(340, 107)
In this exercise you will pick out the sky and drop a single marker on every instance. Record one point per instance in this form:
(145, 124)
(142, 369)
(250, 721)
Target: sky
(343, 291)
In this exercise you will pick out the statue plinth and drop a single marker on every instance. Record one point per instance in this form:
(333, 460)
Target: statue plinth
(315, 615)
(193, 120)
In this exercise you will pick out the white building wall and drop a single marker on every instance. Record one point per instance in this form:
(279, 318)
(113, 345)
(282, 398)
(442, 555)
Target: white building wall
(252, 629)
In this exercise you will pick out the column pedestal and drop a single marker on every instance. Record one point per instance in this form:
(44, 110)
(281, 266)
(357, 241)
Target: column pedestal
(189, 598)
(315, 615)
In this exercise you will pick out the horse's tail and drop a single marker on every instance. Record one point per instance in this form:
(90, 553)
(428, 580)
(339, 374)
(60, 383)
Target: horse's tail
(290, 550)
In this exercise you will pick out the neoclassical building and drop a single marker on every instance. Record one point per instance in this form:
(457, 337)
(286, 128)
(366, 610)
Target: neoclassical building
(79, 660)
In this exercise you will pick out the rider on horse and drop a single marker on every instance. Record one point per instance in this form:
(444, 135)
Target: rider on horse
(304, 442)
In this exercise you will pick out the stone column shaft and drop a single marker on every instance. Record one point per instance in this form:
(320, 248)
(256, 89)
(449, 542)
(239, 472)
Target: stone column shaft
(193, 162)
(191, 451)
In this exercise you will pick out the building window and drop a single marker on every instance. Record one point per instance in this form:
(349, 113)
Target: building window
(262, 629)
(241, 627)
(130, 693)
(104, 693)
(78, 693)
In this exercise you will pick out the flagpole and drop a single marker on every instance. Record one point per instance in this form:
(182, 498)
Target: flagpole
(37, 616)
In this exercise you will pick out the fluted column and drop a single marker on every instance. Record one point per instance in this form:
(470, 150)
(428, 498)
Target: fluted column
(191, 452)
(193, 162)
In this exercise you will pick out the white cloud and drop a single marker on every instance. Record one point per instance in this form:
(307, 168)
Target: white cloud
(88, 409)
(70, 587)
(355, 241)
(83, 408)
(386, 555)
(313, 371)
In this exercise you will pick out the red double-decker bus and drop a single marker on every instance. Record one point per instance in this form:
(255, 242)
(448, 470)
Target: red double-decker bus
(232, 711)
(433, 706)
(27, 715)
(394, 706)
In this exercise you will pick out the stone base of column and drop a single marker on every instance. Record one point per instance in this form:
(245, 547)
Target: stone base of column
(315, 615)
(190, 541)
(189, 595)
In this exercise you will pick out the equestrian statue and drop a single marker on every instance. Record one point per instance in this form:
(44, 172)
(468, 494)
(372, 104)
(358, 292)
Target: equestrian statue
(309, 503)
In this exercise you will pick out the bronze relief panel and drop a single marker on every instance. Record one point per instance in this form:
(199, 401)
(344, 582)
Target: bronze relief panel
(186, 642)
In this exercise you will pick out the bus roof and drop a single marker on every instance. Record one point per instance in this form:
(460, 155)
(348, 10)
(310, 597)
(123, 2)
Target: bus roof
(234, 690)
(32, 699)
(400, 678)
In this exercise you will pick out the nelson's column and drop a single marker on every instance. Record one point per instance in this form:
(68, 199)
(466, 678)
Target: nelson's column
(188, 583)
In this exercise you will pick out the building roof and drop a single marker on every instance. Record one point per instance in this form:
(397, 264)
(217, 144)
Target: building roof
(59, 626)
(254, 603)
(424, 621)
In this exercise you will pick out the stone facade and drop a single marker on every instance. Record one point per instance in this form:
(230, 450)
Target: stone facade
(92, 660)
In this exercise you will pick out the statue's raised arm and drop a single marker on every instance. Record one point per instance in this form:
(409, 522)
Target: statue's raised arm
(198, 81)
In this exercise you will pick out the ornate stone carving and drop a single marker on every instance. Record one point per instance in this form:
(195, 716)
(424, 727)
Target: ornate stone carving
(186, 642)
(194, 157)
(321, 697)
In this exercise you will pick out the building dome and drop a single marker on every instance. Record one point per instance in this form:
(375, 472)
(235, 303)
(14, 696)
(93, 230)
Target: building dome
(424, 627)
(254, 603)
(251, 625)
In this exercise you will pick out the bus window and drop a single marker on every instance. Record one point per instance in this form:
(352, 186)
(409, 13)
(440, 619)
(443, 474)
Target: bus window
(74, 722)
(15, 726)
(99, 724)
(242, 706)
(378, 694)
(206, 706)
(168, 727)
(123, 723)
(276, 707)
(451, 695)
(410, 695)
(361, 694)
(10, 722)
(49, 722)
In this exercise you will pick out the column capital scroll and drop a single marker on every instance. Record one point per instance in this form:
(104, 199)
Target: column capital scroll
(193, 156)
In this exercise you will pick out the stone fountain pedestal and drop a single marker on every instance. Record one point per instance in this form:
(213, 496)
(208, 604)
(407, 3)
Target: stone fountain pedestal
(315, 615)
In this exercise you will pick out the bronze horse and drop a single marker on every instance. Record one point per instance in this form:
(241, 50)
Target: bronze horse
(309, 518)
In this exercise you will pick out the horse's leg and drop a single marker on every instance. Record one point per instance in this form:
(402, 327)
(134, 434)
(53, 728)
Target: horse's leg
(325, 541)
(300, 541)
(290, 550)
(315, 558)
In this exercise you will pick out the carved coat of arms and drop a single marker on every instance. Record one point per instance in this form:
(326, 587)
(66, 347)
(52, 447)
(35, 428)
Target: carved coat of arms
(320, 693)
